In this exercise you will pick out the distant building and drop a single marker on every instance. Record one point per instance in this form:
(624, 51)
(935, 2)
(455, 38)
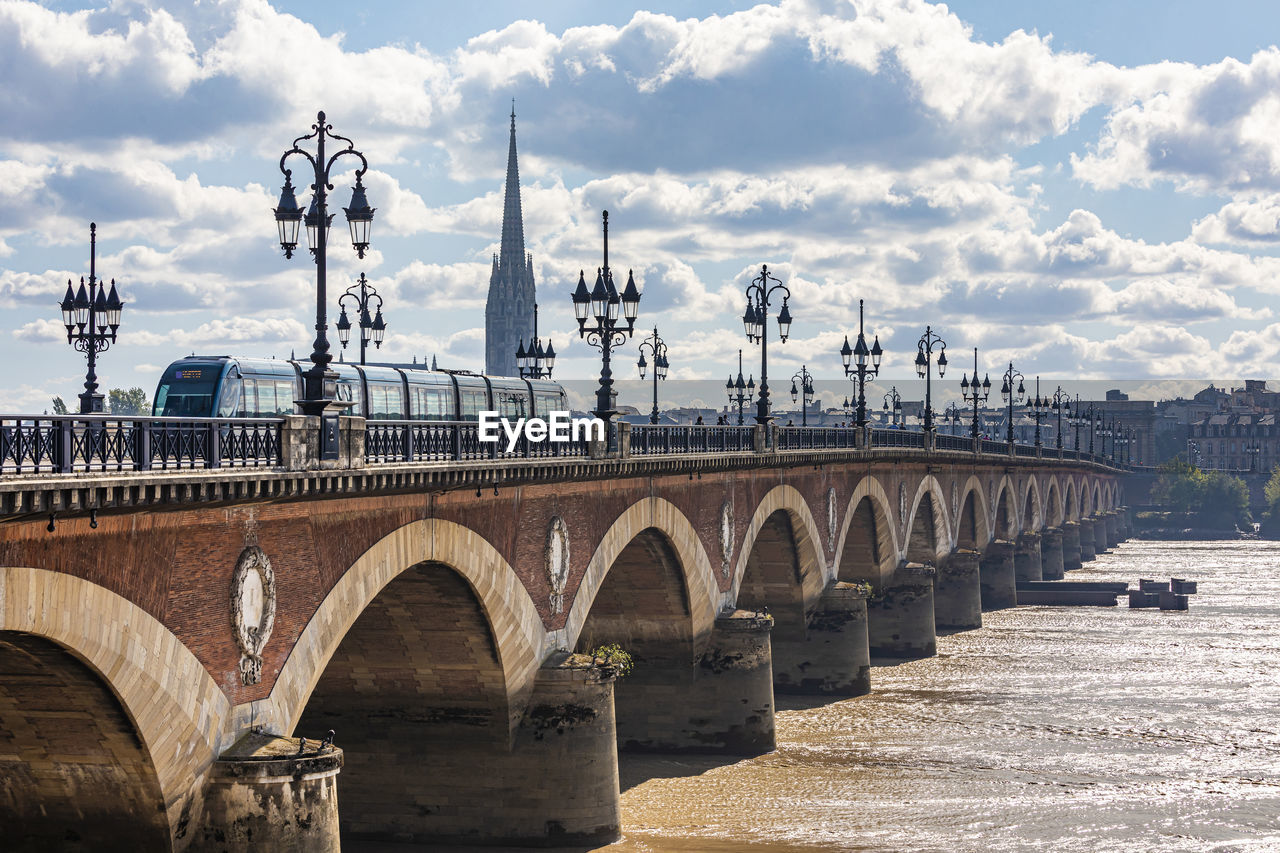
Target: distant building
(1224, 441)
(508, 312)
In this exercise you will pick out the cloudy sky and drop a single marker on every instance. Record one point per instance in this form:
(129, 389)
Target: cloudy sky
(1090, 191)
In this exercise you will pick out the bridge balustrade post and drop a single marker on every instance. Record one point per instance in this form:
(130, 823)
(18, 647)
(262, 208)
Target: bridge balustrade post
(833, 658)
(999, 580)
(301, 439)
(957, 592)
(267, 793)
(1051, 562)
(63, 460)
(141, 446)
(406, 442)
(624, 440)
(900, 620)
(213, 446)
(1026, 557)
(1072, 556)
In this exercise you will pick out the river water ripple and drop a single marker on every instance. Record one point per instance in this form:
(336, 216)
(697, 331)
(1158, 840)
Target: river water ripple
(1054, 729)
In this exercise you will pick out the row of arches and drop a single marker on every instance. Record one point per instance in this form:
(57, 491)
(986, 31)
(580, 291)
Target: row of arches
(427, 653)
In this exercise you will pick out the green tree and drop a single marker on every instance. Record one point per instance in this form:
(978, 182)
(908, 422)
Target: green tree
(1272, 494)
(1224, 501)
(1180, 486)
(131, 402)
(59, 407)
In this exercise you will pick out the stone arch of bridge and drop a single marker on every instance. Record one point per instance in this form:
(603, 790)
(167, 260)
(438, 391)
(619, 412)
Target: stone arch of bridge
(972, 527)
(1071, 506)
(867, 548)
(1087, 502)
(1053, 515)
(928, 525)
(1097, 497)
(781, 564)
(668, 533)
(511, 617)
(1004, 517)
(1032, 508)
(160, 719)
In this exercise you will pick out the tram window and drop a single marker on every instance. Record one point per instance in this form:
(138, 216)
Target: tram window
(473, 401)
(546, 403)
(249, 399)
(386, 402)
(433, 404)
(229, 400)
(514, 404)
(186, 392)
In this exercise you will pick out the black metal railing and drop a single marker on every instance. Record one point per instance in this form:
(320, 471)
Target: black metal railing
(953, 442)
(447, 441)
(897, 438)
(650, 440)
(1028, 450)
(997, 447)
(817, 438)
(65, 444)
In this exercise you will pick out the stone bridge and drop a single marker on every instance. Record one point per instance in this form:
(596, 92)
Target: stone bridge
(167, 638)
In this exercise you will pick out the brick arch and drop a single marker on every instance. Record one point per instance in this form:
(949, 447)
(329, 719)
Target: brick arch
(513, 620)
(178, 713)
(1004, 515)
(928, 527)
(782, 550)
(664, 518)
(1032, 508)
(1053, 513)
(972, 526)
(867, 549)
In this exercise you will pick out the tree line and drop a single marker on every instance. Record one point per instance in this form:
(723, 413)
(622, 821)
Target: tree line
(120, 401)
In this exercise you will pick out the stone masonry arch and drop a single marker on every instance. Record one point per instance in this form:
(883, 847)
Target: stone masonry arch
(867, 549)
(177, 710)
(972, 526)
(812, 567)
(928, 501)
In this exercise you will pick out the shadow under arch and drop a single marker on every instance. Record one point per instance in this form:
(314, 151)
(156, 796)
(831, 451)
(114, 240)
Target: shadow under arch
(101, 644)
(781, 563)
(1032, 507)
(929, 523)
(868, 545)
(972, 529)
(1071, 506)
(1053, 514)
(1004, 521)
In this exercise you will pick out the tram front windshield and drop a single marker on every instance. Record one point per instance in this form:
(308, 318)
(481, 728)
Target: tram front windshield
(187, 391)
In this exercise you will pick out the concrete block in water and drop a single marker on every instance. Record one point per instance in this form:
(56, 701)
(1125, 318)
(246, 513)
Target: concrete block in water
(1170, 600)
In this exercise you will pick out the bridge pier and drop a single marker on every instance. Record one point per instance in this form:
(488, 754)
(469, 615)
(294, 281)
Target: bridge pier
(1113, 529)
(1100, 534)
(1126, 524)
(834, 658)
(269, 792)
(723, 704)
(999, 586)
(900, 620)
(1026, 558)
(1071, 556)
(1088, 541)
(1051, 562)
(957, 592)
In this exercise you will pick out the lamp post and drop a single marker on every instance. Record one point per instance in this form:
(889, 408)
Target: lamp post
(975, 393)
(859, 354)
(91, 316)
(893, 397)
(740, 392)
(1061, 403)
(756, 323)
(370, 329)
(951, 415)
(1039, 408)
(601, 303)
(1093, 426)
(804, 393)
(318, 382)
(537, 362)
(658, 349)
(924, 358)
(1011, 396)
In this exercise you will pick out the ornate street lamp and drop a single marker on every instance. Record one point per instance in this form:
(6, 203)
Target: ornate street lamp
(91, 316)
(538, 361)
(658, 349)
(804, 393)
(1039, 408)
(601, 304)
(756, 322)
(1061, 403)
(893, 397)
(740, 392)
(975, 393)
(318, 382)
(370, 329)
(924, 359)
(859, 353)
(1011, 396)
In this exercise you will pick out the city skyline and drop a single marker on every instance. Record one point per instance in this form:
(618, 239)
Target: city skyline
(1083, 216)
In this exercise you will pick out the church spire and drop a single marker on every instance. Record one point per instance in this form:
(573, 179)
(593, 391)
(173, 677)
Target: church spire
(512, 219)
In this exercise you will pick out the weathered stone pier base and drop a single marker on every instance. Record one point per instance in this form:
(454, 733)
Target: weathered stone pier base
(957, 592)
(1112, 522)
(1026, 558)
(1088, 541)
(999, 586)
(1051, 563)
(900, 615)
(721, 704)
(1100, 534)
(1071, 546)
(834, 657)
(265, 794)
